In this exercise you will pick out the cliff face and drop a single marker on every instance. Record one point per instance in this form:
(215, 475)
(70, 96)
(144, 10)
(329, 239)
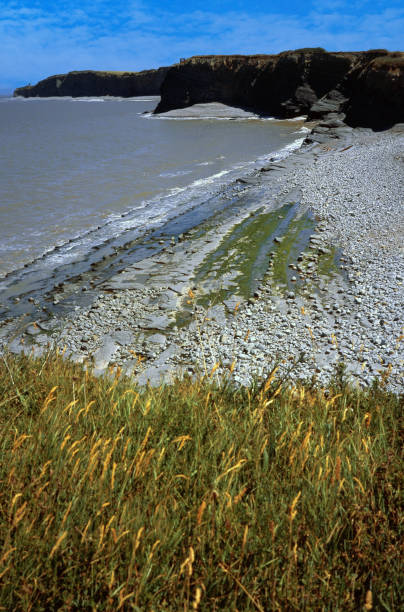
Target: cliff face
(281, 85)
(375, 92)
(96, 83)
(366, 86)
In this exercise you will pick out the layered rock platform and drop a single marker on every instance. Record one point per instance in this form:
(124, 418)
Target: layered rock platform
(328, 289)
(303, 271)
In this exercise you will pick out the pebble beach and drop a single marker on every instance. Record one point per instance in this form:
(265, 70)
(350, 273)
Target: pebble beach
(161, 317)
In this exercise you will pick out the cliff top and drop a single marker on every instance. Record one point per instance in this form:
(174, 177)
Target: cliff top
(382, 55)
(102, 73)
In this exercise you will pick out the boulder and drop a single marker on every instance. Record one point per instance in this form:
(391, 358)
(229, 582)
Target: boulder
(104, 354)
(331, 103)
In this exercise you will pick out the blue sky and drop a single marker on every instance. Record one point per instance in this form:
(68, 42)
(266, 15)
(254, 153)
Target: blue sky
(42, 37)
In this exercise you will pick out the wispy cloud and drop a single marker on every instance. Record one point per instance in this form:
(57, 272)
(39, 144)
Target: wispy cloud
(37, 41)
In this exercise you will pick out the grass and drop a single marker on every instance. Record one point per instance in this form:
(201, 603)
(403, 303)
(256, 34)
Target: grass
(393, 60)
(196, 496)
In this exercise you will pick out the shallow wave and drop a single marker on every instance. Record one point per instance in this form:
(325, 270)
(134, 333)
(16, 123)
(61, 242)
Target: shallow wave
(77, 99)
(154, 212)
(280, 153)
(174, 174)
(88, 100)
(300, 118)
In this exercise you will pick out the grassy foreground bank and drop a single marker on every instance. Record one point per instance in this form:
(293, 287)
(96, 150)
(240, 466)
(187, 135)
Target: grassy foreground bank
(194, 497)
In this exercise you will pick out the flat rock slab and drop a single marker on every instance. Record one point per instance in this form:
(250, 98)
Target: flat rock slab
(342, 131)
(332, 123)
(32, 330)
(156, 322)
(103, 355)
(47, 325)
(217, 313)
(44, 340)
(320, 138)
(172, 350)
(209, 110)
(123, 337)
(168, 300)
(116, 284)
(17, 348)
(154, 376)
(157, 339)
(326, 105)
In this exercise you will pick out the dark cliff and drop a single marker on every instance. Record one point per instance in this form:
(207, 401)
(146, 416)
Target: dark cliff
(375, 92)
(97, 83)
(366, 86)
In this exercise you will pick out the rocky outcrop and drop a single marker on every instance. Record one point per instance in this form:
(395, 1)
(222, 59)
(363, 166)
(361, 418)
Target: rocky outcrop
(281, 85)
(366, 86)
(97, 83)
(375, 92)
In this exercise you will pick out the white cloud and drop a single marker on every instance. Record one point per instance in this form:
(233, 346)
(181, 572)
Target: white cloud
(36, 43)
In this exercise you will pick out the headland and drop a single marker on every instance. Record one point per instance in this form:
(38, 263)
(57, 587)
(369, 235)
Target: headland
(97, 83)
(367, 86)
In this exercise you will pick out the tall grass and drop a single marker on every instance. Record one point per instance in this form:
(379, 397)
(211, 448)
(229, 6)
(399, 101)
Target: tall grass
(195, 496)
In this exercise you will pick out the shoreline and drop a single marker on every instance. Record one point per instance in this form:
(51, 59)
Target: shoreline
(148, 205)
(141, 320)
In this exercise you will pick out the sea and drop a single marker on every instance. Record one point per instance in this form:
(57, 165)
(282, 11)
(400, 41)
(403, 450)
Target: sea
(75, 172)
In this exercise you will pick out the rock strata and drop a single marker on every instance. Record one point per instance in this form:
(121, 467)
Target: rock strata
(367, 86)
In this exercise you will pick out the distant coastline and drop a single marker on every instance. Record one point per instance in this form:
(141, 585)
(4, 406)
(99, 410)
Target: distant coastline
(97, 83)
(367, 87)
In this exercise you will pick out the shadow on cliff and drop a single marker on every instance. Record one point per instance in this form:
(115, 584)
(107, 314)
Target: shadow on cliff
(365, 88)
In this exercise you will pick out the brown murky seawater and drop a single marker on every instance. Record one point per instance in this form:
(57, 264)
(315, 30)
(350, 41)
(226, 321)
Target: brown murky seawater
(69, 165)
